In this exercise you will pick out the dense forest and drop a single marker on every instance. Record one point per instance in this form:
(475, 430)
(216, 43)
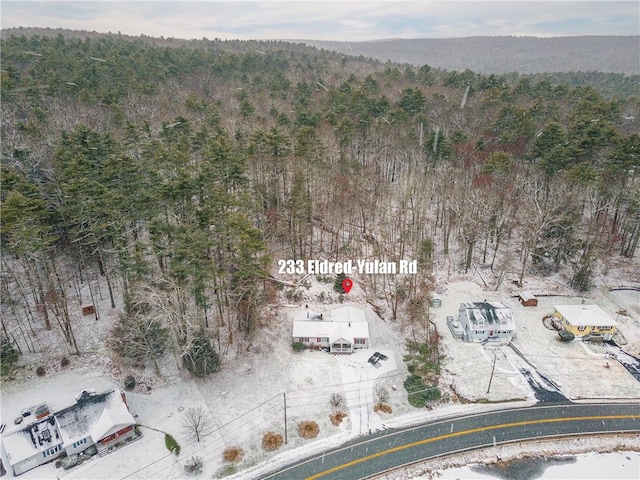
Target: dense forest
(178, 175)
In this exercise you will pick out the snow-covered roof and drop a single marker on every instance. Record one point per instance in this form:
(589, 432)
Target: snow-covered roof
(95, 415)
(307, 314)
(351, 330)
(489, 314)
(585, 315)
(113, 418)
(310, 328)
(526, 295)
(29, 441)
(343, 323)
(348, 314)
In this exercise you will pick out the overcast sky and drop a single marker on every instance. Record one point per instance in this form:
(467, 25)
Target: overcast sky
(329, 20)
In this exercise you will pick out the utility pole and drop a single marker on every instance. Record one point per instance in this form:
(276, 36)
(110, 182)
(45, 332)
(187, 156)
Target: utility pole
(284, 396)
(492, 370)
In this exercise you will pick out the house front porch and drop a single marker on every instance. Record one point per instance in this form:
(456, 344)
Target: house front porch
(341, 347)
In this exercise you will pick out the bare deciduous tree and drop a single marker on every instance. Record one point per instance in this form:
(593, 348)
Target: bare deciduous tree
(197, 423)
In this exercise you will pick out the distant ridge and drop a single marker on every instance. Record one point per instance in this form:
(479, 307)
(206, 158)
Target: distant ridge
(618, 54)
(484, 54)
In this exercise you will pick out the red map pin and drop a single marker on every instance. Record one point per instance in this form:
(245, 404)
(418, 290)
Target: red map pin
(347, 284)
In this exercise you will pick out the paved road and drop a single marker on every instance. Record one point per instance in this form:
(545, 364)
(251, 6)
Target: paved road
(393, 448)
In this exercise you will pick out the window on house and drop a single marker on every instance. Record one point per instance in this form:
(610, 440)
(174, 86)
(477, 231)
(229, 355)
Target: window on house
(582, 329)
(304, 339)
(360, 341)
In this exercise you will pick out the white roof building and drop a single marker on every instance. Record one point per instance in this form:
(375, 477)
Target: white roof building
(486, 321)
(37, 440)
(341, 330)
(94, 415)
(586, 316)
(94, 419)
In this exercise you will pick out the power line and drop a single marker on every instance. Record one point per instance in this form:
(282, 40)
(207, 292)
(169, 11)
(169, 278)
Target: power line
(216, 449)
(342, 384)
(191, 443)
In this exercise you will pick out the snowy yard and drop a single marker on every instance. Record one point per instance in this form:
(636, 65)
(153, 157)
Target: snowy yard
(580, 370)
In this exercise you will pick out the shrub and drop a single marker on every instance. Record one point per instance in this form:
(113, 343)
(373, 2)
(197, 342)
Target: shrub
(337, 417)
(227, 470)
(272, 441)
(418, 392)
(40, 371)
(308, 429)
(423, 357)
(336, 399)
(70, 461)
(171, 444)
(8, 356)
(382, 394)
(93, 450)
(233, 454)
(201, 359)
(129, 382)
(297, 346)
(382, 407)
(566, 336)
(193, 465)
(64, 361)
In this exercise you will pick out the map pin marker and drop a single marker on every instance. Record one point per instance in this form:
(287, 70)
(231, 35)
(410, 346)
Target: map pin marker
(347, 284)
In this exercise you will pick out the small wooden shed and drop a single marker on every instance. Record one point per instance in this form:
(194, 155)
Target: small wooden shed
(528, 299)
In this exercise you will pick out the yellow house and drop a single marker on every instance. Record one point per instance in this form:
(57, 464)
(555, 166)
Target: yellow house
(584, 320)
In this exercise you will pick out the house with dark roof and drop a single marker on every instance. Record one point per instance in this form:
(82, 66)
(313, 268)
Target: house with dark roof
(100, 419)
(486, 321)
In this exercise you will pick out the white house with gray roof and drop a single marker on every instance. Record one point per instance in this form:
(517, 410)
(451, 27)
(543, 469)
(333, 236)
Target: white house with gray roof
(486, 321)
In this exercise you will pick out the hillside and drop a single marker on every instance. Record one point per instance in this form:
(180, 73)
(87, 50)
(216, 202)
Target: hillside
(497, 55)
(161, 201)
(177, 177)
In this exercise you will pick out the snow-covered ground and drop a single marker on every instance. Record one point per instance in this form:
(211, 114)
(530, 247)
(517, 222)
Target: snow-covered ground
(246, 398)
(592, 466)
(360, 379)
(597, 458)
(468, 368)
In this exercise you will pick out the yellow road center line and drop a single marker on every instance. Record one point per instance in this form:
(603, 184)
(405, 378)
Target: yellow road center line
(460, 433)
